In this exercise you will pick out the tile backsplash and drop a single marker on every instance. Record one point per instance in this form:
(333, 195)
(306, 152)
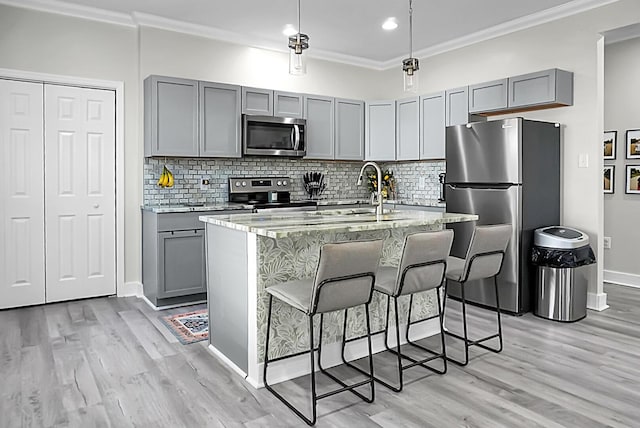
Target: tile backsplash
(415, 180)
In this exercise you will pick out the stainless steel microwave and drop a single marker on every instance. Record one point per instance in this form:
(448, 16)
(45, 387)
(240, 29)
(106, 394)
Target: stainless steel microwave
(273, 136)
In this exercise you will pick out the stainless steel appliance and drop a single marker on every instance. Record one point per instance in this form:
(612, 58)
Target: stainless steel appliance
(505, 171)
(273, 136)
(266, 194)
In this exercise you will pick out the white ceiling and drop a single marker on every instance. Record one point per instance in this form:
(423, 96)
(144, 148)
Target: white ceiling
(343, 30)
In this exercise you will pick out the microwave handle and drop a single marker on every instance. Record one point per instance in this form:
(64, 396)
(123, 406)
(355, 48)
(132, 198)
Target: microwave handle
(296, 137)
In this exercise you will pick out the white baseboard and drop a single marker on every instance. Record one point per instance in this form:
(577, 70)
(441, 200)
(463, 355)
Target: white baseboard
(622, 278)
(597, 301)
(227, 361)
(294, 367)
(133, 288)
(177, 305)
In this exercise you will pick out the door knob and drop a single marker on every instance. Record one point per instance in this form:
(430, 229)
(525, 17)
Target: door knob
(96, 205)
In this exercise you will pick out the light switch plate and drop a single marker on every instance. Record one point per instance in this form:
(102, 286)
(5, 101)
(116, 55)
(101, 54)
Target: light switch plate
(583, 160)
(607, 242)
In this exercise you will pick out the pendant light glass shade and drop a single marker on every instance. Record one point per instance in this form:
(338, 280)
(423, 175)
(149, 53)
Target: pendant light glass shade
(297, 44)
(410, 65)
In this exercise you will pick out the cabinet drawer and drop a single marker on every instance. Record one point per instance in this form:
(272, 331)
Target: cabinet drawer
(182, 221)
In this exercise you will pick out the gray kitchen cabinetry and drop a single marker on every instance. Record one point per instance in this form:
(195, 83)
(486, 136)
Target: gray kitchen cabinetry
(457, 106)
(408, 129)
(170, 116)
(380, 130)
(288, 104)
(488, 96)
(257, 101)
(544, 89)
(349, 129)
(220, 124)
(319, 114)
(432, 126)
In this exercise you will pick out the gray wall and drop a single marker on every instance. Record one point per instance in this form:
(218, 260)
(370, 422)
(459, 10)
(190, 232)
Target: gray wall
(622, 112)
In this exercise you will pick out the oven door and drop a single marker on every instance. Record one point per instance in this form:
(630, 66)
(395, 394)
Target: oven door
(273, 136)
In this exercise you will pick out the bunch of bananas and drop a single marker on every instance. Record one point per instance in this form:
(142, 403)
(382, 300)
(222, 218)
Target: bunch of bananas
(166, 178)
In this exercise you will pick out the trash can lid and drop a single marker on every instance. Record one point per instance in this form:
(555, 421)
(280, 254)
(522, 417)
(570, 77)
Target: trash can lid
(561, 237)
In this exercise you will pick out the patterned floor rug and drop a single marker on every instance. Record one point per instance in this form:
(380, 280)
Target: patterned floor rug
(189, 327)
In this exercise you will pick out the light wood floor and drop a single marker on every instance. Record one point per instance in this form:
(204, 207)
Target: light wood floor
(110, 362)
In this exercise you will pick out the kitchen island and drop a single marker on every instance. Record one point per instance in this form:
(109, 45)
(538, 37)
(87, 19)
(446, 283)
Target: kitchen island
(247, 253)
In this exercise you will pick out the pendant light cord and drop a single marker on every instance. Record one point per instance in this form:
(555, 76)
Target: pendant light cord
(299, 30)
(410, 27)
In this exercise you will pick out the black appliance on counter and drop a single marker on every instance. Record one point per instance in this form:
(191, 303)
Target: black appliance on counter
(266, 194)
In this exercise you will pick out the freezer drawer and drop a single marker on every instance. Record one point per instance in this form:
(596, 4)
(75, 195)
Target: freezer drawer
(484, 152)
(493, 206)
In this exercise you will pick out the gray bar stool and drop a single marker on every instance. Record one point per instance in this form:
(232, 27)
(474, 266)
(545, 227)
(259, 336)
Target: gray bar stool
(422, 267)
(344, 279)
(484, 259)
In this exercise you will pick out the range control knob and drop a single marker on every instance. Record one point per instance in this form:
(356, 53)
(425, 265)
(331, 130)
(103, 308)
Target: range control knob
(279, 183)
(244, 184)
(237, 184)
(284, 183)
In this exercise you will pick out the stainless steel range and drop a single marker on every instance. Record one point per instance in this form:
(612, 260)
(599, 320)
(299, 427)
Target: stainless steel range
(266, 194)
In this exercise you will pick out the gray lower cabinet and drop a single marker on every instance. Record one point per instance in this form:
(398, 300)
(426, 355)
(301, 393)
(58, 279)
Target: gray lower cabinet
(380, 130)
(432, 126)
(257, 101)
(288, 104)
(548, 88)
(170, 116)
(408, 129)
(349, 127)
(220, 124)
(319, 113)
(488, 96)
(173, 257)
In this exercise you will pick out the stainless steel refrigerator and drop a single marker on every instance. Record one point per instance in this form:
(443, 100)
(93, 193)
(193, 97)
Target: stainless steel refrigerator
(505, 171)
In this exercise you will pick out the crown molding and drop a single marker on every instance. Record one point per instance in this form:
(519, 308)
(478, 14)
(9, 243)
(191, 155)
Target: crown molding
(137, 19)
(621, 34)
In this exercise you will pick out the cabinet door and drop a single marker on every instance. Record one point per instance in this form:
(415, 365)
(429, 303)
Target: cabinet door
(457, 106)
(408, 129)
(349, 117)
(543, 87)
(380, 134)
(181, 263)
(220, 125)
(257, 101)
(488, 96)
(287, 104)
(432, 126)
(318, 112)
(171, 116)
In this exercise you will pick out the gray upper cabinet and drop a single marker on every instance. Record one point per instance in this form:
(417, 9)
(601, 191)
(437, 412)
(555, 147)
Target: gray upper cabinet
(408, 129)
(287, 104)
(548, 88)
(457, 106)
(432, 126)
(380, 130)
(488, 96)
(170, 116)
(220, 125)
(349, 126)
(318, 112)
(257, 101)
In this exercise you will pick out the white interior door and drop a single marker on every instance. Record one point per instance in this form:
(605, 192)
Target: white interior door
(80, 192)
(22, 272)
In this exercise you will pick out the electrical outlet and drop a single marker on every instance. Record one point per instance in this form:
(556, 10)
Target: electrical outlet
(607, 242)
(204, 184)
(422, 183)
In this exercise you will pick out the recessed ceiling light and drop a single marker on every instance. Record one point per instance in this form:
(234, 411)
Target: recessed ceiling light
(390, 24)
(289, 30)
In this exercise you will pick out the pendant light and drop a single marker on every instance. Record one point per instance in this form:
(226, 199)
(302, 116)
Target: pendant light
(410, 65)
(297, 44)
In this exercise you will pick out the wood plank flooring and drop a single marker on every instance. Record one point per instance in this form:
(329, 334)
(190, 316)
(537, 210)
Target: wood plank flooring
(109, 362)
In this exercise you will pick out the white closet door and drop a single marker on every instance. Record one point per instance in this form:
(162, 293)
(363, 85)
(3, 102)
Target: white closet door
(21, 195)
(80, 192)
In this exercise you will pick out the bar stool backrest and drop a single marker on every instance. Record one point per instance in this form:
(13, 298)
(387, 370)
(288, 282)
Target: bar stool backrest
(424, 249)
(486, 251)
(345, 275)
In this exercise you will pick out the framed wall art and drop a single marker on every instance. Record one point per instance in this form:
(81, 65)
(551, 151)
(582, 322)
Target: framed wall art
(633, 179)
(609, 176)
(633, 144)
(610, 140)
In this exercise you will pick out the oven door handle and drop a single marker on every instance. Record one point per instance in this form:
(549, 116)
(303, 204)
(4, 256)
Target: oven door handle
(296, 137)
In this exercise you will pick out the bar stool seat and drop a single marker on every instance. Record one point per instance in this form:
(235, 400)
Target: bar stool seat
(455, 268)
(386, 279)
(344, 279)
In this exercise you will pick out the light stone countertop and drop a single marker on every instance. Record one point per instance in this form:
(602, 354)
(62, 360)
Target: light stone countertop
(275, 225)
(163, 209)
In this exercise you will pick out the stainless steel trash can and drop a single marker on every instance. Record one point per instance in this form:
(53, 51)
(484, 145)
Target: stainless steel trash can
(562, 256)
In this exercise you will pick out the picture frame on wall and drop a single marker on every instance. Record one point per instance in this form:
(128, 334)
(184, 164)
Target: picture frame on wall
(609, 144)
(633, 144)
(609, 179)
(633, 179)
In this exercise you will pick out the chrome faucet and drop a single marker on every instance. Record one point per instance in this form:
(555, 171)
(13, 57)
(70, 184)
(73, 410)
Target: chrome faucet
(378, 184)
